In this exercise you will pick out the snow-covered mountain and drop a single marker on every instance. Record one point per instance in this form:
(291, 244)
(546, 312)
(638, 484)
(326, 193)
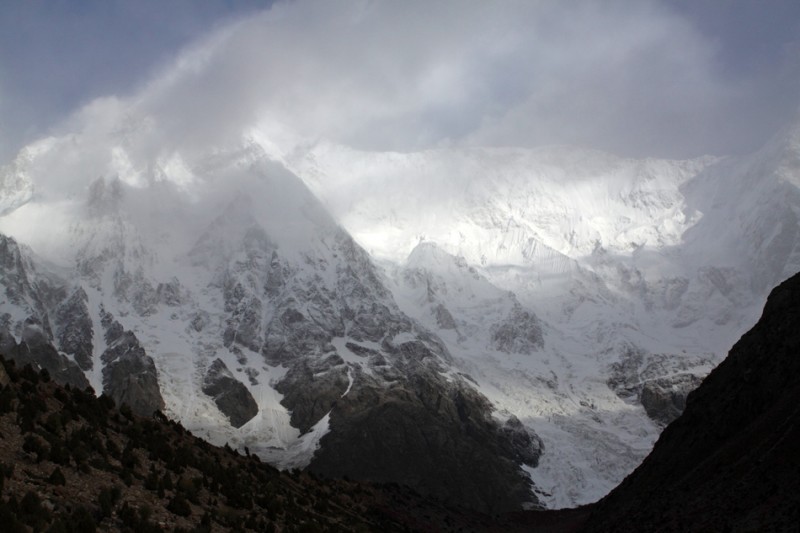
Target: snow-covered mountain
(241, 308)
(498, 315)
(633, 277)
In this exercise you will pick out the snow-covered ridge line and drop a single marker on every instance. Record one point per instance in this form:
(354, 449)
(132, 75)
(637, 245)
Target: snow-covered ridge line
(566, 199)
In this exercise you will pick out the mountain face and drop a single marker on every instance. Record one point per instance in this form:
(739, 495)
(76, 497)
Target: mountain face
(730, 461)
(505, 327)
(25, 328)
(244, 311)
(631, 278)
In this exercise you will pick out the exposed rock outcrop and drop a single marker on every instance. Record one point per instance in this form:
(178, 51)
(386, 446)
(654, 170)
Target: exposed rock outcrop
(129, 374)
(520, 332)
(304, 311)
(312, 388)
(36, 350)
(665, 398)
(230, 394)
(660, 382)
(434, 435)
(74, 330)
(14, 272)
(524, 444)
(444, 319)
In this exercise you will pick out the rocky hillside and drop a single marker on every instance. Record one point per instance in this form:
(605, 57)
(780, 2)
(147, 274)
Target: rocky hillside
(730, 462)
(72, 462)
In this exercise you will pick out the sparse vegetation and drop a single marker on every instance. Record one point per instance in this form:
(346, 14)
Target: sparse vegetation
(72, 462)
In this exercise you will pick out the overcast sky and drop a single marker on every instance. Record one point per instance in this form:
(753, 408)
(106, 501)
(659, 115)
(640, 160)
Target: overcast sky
(637, 77)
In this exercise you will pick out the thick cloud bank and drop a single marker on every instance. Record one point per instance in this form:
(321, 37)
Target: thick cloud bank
(397, 76)
(634, 78)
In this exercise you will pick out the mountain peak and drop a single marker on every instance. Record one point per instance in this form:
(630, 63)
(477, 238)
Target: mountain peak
(429, 255)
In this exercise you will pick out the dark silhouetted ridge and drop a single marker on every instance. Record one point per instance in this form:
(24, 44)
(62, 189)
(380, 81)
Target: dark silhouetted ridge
(731, 461)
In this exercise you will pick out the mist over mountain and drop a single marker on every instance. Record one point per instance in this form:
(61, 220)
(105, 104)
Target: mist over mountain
(542, 311)
(256, 321)
(372, 261)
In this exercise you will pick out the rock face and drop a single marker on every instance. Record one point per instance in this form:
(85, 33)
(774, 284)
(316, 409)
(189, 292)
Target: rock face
(660, 382)
(32, 293)
(27, 290)
(353, 356)
(729, 462)
(129, 374)
(230, 395)
(530, 272)
(520, 332)
(425, 432)
(58, 333)
(13, 271)
(673, 258)
(280, 329)
(449, 295)
(74, 330)
(526, 446)
(36, 350)
(665, 398)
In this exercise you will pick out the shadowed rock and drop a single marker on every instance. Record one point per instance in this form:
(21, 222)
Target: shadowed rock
(664, 399)
(74, 330)
(730, 461)
(36, 350)
(129, 375)
(230, 395)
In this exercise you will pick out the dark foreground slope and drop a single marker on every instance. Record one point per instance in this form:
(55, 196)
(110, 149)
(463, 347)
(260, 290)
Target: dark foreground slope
(70, 462)
(731, 462)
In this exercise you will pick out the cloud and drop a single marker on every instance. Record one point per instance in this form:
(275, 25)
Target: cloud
(635, 78)
(57, 56)
(632, 77)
